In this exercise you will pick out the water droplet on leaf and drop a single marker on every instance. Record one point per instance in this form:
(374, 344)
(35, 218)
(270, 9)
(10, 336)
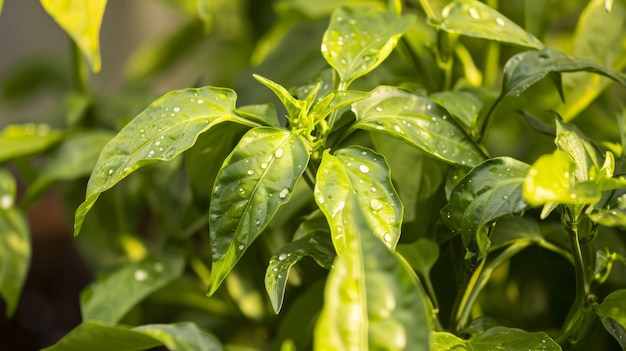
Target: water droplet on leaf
(364, 168)
(278, 153)
(283, 193)
(282, 257)
(141, 275)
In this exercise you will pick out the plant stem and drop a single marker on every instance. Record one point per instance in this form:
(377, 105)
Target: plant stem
(492, 56)
(80, 69)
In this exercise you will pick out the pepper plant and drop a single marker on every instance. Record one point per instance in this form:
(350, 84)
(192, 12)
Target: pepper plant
(386, 167)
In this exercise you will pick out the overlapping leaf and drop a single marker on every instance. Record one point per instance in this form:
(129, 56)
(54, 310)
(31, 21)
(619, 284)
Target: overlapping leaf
(165, 129)
(498, 338)
(372, 301)
(81, 20)
(476, 19)
(15, 248)
(358, 39)
(419, 122)
(112, 296)
(19, 140)
(611, 313)
(489, 191)
(358, 175)
(256, 178)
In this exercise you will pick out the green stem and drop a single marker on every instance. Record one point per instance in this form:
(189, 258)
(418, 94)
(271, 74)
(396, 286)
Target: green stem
(80, 69)
(492, 56)
(429, 10)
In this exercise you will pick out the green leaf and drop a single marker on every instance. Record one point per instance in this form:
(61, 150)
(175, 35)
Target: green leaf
(421, 255)
(15, 247)
(263, 114)
(81, 20)
(185, 336)
(613, 214)
(165, 129)
(489, 191)
(295, 108)
(419, 122)
(525, 69)
(611, 313)
(317, 245)
(19, 140)
(583, 89)
(75, 157)
(358, 39)
(371, 300)
(497, 338)
(256, 178)
(475, 19)
(97, 336)
(462, 105)
(579, 148)
(358, 175)
(549, 180)
(447, 341)
(112, 296)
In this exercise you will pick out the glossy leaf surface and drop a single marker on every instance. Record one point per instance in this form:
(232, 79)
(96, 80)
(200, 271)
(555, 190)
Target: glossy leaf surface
(112, 296)
(419, 122)
(527, 68)
(611, 313)
(489, 191)
(358, 176)
(358, 39)
(15, 247)
(185, 336)
(372, 301)
(19, 140)
(476, 19)
(464, 106)
(81, 20)
(316, 245)
(498, 338)
(256, 178)
(165, 129)
(580, 149)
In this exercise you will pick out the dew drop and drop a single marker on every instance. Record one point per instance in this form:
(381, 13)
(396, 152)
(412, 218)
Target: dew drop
(282, 257)
(275, 269)
(474, 13)
(279, 276)
(387, 237)
(6, 201)
(500, 21)
(320, 199)
(379, 109)
(278, 153)
(376, 205)
(364, 168)
(250, 172)
(176, 109)
(283, 193)
(373, 189)
(141, 275)
(241, 247)
(110, 171)
(200, 101)
(263, 165)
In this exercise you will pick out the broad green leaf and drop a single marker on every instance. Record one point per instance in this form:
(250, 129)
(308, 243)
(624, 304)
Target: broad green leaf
(75, 157)
(497, 338)
(613, 214)
(15, 248)
(112, 296)
(81, 20)
(317, 245)
(580, 149)
(256, 178)
(185, 336)
(422, 256)
(297, 322)
(338, 100)
(549, 179)
(358, 175)
(98, 336)
(263, 114)
(611, 313)
(419, 122)
(462, 105)
(476, 19)
(511, 230)
(19, 140)
(527, 68)
(358, 39)
(489, 191)
(596, 38)
(295, 108)
(371, 300)
(165, 129)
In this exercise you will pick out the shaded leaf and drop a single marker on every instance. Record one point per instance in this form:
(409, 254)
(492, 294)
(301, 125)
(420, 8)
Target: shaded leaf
(19, 140)
(611, 313)
(317, 245)
(580, 148)
(256, 178)
(75, 157)
(476, 19)
(372, 302)
(489, 191)
(112, 296)
(358, 175)
(464, 106)
(15, 247)
(419, 122)
(185, 336)
(81, 20)
(263, 114)
(165, 129)
(358, 39)
(497, 338)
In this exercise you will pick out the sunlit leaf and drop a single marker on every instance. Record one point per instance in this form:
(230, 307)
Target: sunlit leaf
(358, 175)
(112, 296)
(527, 68)
(256, 178)
(419, 122)
(19, 140)
(81, 20)
(317, 245)
(371, 300)
(358, 39)
(497, 338)
(476, 19)
(75, 157)
(611, 313)
(15, 247)
(612, 215)
(489, 191)
(549, 179)
(580, 149)
(294, 106)
(184, 336)
(165, 129)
